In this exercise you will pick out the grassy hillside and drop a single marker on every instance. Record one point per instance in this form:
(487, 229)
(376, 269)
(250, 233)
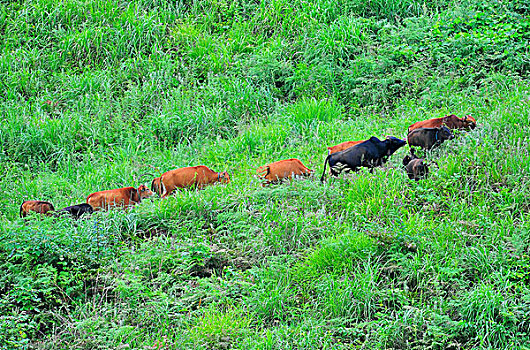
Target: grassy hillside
(105, 94)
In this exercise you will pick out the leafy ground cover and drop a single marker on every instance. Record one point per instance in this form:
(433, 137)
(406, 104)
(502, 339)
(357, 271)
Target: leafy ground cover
(105, 94)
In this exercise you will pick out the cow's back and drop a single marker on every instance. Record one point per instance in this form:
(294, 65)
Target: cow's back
(357, 155)
(364, 149)
(426, 138)
(343, 146)
(450, 121)
(116, 197)
(430, 123)
(195, 176)
(205, 175)
(77, 210)
(285, 169)
(189, 176)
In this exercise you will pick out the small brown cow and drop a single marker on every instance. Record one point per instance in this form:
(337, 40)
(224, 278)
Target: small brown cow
(451, 121)
(194, 176)
(40, 207)
(342, 146)
(283, 169)
(120, 197)
(416, 168)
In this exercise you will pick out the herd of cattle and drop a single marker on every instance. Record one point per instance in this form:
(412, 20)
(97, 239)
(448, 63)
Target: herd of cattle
(344, 157)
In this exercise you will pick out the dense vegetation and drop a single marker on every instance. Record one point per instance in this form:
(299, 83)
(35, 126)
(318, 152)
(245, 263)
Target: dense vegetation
(104, 94)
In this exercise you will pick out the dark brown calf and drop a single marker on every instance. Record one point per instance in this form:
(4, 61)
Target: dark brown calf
(416, 168)
(429, 138)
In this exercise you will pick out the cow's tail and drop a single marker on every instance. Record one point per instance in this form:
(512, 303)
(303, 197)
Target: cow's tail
(324, 172)
(153, 188)
(156, 189)
(21, 209)
(162, 187)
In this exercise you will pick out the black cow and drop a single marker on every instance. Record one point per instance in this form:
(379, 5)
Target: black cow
(370, 153)
(77, 210)
(429, 138)
(416, 167)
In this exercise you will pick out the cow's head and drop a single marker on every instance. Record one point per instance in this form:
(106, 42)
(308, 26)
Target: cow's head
(444, 133)
(144, 192)
(393, 144)
(408, 158)
(224, 177)
(469, 122)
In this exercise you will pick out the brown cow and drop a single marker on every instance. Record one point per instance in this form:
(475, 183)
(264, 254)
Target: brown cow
(451, 121)
(416, 168)
(342, 146)
(40, 207)
(287, 168)
(194, 176)
(120, 197)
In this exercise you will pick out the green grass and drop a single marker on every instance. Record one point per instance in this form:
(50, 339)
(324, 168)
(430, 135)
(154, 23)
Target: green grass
(105, 94)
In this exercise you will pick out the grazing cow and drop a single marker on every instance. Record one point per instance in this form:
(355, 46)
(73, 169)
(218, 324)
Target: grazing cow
(194, 176)
(370, 153)
(429, 138)
(120, 197)
(40, 207)
(416, 168)
(76, 210)
(451, 121)
(342, 146)
(283, 169)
